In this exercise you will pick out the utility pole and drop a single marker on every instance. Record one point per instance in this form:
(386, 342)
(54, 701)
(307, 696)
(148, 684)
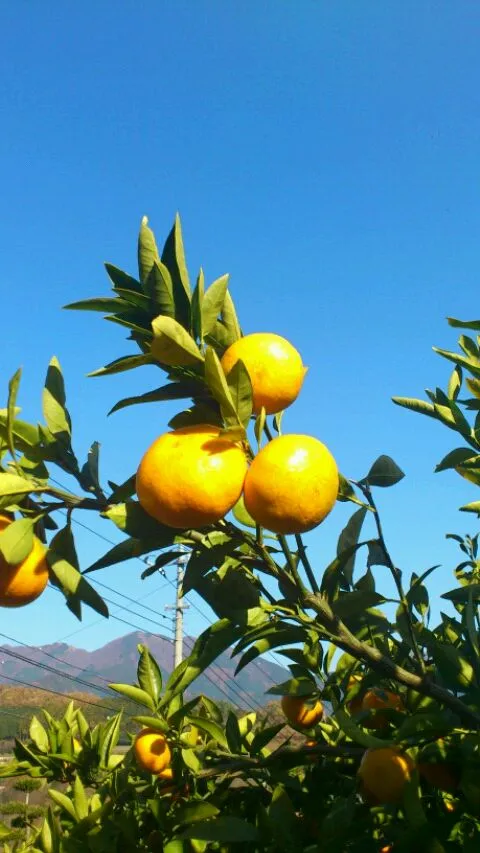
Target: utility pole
(179, 607)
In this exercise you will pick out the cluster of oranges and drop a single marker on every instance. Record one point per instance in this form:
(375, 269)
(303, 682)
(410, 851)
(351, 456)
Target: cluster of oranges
(383, 771)
(193, 476)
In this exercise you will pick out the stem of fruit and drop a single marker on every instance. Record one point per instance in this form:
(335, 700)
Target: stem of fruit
(291, 563)
(344, 639)
(365, 488)
(306, 563)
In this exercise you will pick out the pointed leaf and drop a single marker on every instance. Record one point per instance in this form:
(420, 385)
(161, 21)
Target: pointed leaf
(16, 541)
(225, 829)
(241, 514)
(230, 319)
(147, 250)
(240, 386)
(104, 304)
(80, 800)
(122, 279)
(348, 537)
(173, 256)
(172, 344)
(158, 724)
(197, 307)
(384, 472)
(174, 391)
(149, 676)
(120, 365)
(212, 728)
(54, 401)
(217, 383)
(159, 287)
(213, 303)
(136, 694)
(419, 406)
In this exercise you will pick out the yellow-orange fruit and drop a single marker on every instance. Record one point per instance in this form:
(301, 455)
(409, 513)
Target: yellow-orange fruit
(292, 484)
(191, 477)
(442, 775)
(299, 713)
(22, 584)
(384, 773)
(166, 775)
(274, 366)
(152, 751)
(375, 700)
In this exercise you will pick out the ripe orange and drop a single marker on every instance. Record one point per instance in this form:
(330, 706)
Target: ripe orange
(375, 700)
(22, 584)
(274, 366)
(442, 775)
(190, 477)
(301, 714)
(152, 751)
(384, 773)
(292, 484)
(166, 774)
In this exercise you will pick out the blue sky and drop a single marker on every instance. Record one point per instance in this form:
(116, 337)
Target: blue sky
(325, 154)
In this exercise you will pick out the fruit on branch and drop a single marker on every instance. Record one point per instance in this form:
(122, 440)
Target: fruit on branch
(23, 583)
(191, 477)
(275, 368)
(299, 712)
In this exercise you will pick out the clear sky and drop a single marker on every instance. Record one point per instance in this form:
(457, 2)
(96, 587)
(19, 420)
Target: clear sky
(325, 154)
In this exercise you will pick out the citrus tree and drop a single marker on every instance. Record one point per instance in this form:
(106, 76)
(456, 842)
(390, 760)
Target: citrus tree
(388, 703)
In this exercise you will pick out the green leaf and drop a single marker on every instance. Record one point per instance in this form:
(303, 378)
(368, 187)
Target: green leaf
(197, 307)
(64, 802)
(136, 300)
(474, 506)
(225, 829)
(240, 386)
(348, 537)
(13, 386)
(460, 595)
(149, 676)
(419, 406)
(122, 280)
(173, 391)
(90, 473)
(358, 601)
(230, 319)
(241, 515)
(16, 541)
(136, 694)
(126, 550)
(208, 646)
(455, 383)
(38, 735)
(294, 687)
(54, 402)
(281, 636)
(80, 800)
(131, 518)
(159, 287)
(384, 472)
(200, 413)
(333, 574)
(158, 724)
(213, 302)
(377, 555)
(172, 344)
(120, 365)
(147, 250)
(104, 304)
(160, 561)
(173, 256)
(195, 811)
(457, 457)
(215, 730)
(464, 324)
(217, 383)
(13, 485)
(73, 584)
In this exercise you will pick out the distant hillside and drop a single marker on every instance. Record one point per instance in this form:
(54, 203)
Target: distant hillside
(80, 670)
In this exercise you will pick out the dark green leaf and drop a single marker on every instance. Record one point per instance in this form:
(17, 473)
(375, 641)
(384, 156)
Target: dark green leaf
(54, 402)
(122, 279)
(89, 471)
(131, 518)
(294, 687)
(173, 391)
(464, 324)
(241, 515)
(358, 601)
(225, 829)
(377, 555)
(384, 472)
(348, 537)
(333, 574)
(161, 561)
(200, 413)
(195, 811)
(173, 256)
(197, 307)
(456, 457)
(104, 304)
(126, 550)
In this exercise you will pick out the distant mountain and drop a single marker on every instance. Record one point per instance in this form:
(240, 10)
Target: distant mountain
(77, 670)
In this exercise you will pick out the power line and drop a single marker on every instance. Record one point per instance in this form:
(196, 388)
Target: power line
(49, 655)
(54, 670)
(58, 693)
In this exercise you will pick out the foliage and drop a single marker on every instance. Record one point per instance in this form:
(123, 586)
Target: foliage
(231, 788)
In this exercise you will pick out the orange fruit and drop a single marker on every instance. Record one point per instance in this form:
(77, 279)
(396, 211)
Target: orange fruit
(292, 484)
(191, 477)
(384, 773)
(375, 700)
(442, 775)
(22, 584)
(152, 751)
(166, 774)
(301, 714)
(274, 366)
